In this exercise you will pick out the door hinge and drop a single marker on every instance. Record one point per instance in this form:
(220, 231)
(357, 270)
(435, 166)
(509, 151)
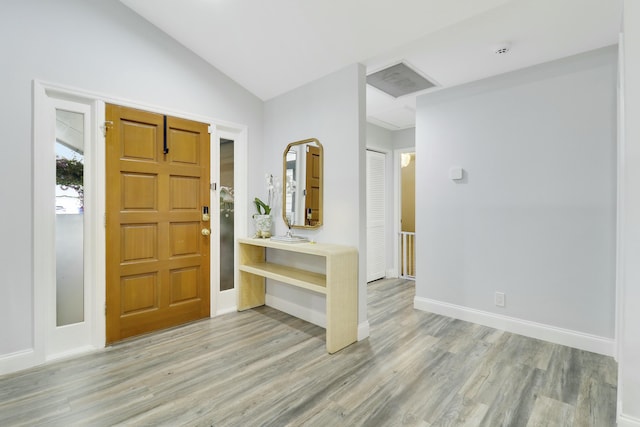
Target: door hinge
(107, 124)
(213, 186)
(211, 129)
(105, 308)
(105, 220)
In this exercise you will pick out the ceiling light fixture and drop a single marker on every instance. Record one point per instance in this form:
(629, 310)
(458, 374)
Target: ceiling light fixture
(405, 159)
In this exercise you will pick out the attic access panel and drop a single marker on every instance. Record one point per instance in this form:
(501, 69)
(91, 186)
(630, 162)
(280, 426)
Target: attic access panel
(398, 80)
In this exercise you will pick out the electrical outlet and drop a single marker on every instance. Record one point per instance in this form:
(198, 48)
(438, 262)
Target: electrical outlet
(499, 299)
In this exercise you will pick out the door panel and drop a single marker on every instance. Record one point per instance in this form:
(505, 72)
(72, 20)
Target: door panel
(140, 191)
(312, 201)
(157, 257)
(376, 204)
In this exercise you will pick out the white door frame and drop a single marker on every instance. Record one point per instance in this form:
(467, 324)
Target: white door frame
(226, 301)
(43, 224)
(77, 337)
(51, 342)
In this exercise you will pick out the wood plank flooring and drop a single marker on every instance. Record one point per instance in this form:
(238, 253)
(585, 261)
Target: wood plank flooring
(265, 368)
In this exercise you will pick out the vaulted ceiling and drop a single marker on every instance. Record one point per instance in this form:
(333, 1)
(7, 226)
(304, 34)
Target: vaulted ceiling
(271, 47)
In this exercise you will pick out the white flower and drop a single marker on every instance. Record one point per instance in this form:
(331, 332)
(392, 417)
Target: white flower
(291, 185)
(273, 189)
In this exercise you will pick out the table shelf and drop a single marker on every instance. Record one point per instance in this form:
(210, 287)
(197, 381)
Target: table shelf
(339, 282)
(293, 276)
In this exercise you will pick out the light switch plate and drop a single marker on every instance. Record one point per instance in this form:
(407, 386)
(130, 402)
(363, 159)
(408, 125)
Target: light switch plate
(455, 173)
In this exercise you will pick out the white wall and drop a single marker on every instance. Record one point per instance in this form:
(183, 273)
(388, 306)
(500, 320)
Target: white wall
(98, 46)
(405, 138)
(534, 216)
(332, 110)
(629, 280)
(379, 138)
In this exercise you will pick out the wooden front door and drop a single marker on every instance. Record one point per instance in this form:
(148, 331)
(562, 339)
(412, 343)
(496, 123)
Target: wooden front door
(313, 206)
(157, 170)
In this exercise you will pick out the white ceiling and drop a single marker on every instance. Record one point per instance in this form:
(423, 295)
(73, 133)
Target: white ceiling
(271, 47)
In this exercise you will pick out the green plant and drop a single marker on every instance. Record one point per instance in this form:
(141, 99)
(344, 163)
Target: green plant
(70, 174)
(273, 189)
(262, 207)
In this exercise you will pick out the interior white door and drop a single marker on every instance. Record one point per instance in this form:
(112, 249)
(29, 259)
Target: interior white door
(376, 205)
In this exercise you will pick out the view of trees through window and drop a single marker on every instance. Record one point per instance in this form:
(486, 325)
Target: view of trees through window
(69, 180)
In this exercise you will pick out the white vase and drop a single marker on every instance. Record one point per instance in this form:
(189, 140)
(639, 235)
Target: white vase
(263, 225)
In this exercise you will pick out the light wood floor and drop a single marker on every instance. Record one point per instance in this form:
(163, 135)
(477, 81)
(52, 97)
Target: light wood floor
(263, 367)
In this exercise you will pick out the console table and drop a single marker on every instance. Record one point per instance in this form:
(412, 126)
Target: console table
(339, 282)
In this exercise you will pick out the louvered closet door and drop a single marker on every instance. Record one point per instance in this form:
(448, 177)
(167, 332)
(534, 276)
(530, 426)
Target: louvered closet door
(376, 205)
(157, 256)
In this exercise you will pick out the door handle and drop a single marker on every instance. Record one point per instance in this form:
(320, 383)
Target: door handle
(206, 232)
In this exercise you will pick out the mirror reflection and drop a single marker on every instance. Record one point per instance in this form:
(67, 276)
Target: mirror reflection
(302, 192)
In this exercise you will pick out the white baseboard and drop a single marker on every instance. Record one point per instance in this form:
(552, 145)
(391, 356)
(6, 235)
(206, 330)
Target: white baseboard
(311, 316)
(71, 353)
(579, 340)
(226, 302)
(627, 421)
(363, 330)
(19, 360)
(304, 313)
(226, 310)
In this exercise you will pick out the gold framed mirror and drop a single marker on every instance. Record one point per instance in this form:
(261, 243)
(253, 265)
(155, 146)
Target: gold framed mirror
(303, 171)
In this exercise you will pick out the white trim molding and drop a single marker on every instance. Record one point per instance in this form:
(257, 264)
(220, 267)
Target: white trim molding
(627, 421)
(225, 301)
(19, 360)
(363, 330)
(553, 334)
(50, 342)
(226, 311)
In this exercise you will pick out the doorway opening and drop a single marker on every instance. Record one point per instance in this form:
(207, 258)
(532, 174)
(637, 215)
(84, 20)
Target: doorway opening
(407, 215)
(406, 212)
